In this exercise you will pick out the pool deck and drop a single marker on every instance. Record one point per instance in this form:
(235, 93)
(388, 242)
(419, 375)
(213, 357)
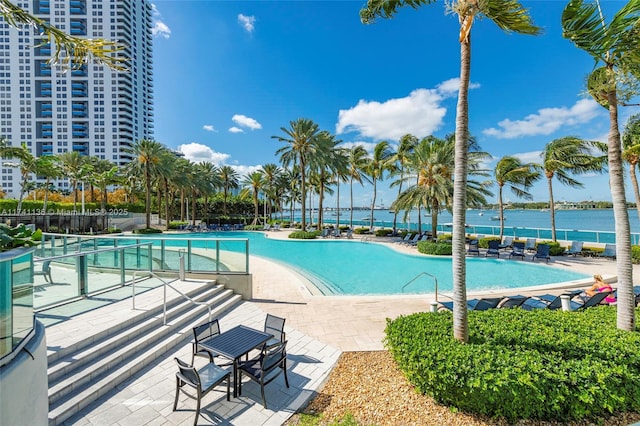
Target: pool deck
(319, 328)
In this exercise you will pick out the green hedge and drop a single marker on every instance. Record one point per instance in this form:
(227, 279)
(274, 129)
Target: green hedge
(439, 248)
(303, 235)
(147, 231)
(177, 224)
(542, 364)
(361, 231)
(635, 254)
(383, 232)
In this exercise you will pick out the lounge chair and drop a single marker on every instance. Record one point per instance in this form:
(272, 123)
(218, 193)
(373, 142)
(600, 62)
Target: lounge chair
(512, 301)
(413, 240)
(530, 244)
(609, 251)
(473, 248)
(575, 249)
(542, 252)
(276, 227)
(266, 227)
(424, 237)
(507, 242)
(493, 249)
(548, 301)
(518, 250)
(594, 300)
(325, 232)
(337, 233)
(481, 304)
(45, 271)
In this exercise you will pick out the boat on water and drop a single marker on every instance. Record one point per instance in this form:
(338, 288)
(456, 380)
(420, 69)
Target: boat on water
(497, 217)
(367, 219)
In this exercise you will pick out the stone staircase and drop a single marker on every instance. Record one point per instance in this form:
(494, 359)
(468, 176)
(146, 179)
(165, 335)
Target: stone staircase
(83, 371)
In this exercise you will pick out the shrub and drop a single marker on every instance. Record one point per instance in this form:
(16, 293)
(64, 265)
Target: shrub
(177, 224)
(518, 364)
(304, 235)
(484, 242)
(383, 232)
(18, 236)
(554, 247)
(253, 227)
(360, 231)
(635, 254)
(445, 237)
(147, 231)
(439, 248)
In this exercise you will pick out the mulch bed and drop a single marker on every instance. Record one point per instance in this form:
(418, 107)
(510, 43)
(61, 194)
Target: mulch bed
(369, 386)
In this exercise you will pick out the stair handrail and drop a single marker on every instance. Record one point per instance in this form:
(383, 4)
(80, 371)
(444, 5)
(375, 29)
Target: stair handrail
(435, 280)
(165, 284)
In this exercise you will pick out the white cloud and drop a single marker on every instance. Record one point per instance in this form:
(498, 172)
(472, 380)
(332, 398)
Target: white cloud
(419, 114)
(244, 121)
(451, 87)
(160, 29)
(546, 120)
(235, 129)
(247, 22)
(197, 152)
(209, 128)
(245, 170)
(529, 157)
(368, 146)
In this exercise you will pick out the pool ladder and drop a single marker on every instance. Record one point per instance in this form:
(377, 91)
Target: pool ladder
(412, 280)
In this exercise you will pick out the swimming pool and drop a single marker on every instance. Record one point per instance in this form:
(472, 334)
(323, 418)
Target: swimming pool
(351, 267)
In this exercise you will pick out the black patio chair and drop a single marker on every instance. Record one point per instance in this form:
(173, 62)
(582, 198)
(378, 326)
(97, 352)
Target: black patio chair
(513, 301)
(274, 325)
(473, 248)
(507, 242)
(481, 304)
(542, 252)
(202, 380)
(45, 271)
(594, 300)
(493, 249)
(203, 332)
(264, 369)
(518, 250)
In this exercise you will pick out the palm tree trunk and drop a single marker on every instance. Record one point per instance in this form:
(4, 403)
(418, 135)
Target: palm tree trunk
(147, 201)
(626, 301)
(351, 209)
(320, 211)
(338, 206)
(634, 184)
(303, 219)
(373, 203)
(193, 208)
(501, 211)
(460, 319)
(434, 220)
(552, 208)
(395, 212)
(46, 195)
(166, 202)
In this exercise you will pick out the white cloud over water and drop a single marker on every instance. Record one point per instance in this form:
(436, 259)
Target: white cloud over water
(546, 120)
(420, 113)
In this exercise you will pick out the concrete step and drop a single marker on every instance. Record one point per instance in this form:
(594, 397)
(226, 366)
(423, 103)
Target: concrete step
(89, 352)
(82, 377)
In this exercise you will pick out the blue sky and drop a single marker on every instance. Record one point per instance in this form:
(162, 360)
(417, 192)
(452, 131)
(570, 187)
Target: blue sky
(229, 75)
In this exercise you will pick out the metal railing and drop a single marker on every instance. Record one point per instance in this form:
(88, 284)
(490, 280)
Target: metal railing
(211, 255)
(414, 279)
(165, 284)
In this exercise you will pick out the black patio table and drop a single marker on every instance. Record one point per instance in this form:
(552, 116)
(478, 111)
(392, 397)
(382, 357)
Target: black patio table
(235, 343)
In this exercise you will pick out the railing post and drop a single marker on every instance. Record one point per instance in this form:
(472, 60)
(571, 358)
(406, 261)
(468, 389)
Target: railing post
(82, 274)
(189, 255)
(246, 256)
(150, 257)
(217, 256)
(181, 271)
(122, 266)
(162, 253)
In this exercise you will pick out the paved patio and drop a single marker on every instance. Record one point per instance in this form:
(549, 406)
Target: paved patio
(318, 328)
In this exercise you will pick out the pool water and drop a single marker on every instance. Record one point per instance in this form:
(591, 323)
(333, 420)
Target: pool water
(352, 267)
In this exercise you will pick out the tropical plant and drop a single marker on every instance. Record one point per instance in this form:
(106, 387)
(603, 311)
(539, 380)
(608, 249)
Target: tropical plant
(357, 161)
(229, 180)
(517, 176)
(614, 47)
(252, 184)
(565, 156)
(401, 158)
(75, 168)
(376, 166)
(301, 145)
(510, 16)
(27, 163)
(18, 236)
(631, 153)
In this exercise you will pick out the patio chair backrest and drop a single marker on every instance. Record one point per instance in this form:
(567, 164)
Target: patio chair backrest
(275, 325)
(609, 250)
(518, 246)
(507, 240)
(494, 244)
(530, 244)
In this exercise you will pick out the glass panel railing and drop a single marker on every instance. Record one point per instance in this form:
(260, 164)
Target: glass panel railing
(16, 300)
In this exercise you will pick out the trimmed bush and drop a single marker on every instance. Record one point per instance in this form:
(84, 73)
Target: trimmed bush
(542, 364)
(635, 254)
(147, 231)
(484, 242)
(439, 248)
(177, 224)
(383, 232)
(304, 235)
(554, 247)
(361, 231)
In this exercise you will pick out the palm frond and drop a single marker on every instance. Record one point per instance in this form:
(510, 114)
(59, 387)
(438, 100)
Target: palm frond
(387, 8)
(510, 16)
(582, 25)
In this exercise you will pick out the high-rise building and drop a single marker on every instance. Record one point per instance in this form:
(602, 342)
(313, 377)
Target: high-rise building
(92, 109)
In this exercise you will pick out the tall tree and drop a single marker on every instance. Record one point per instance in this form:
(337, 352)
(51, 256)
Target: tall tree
(614, 47)
(631, 153)
(379, 163)
(357, 159)
(401, 158)
(517, 176)
(301, 145)
(75, 168)
(147, 158)
(27, 163)
(252, 184)
(48, 167)
(510, 16)
(566, 156)
(229, 179)
(271, 172)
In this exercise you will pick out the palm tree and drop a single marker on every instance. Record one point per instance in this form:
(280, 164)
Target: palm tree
(147, 158)
(210, 175)
(75, 168)
(565, 156)
(229, 179)
(301, 139)
(104, 174)
(376, 166)
(27, 165)
(48, 167)
(357, 162)
(401, 158)
(252, 184)
(340, 170)
(631, 153)
(518, 177)
(614, 47)
(271, 172)
(510, 16)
